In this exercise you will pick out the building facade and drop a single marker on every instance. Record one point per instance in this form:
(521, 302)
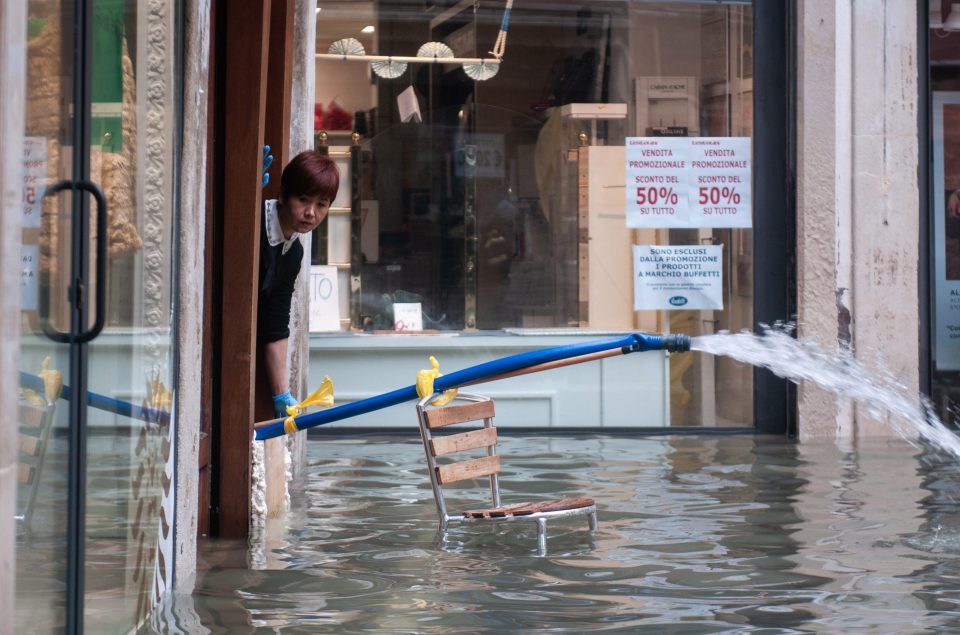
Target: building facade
(792, 159)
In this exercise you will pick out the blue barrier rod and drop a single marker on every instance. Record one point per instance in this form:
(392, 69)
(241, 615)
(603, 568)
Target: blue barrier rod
(634, 342)
(95, 400)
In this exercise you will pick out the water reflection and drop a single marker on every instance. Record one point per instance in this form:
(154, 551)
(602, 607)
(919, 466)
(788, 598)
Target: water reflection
(725, 534)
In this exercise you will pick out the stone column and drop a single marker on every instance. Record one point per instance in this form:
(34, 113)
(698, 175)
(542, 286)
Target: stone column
(301, 138)
(13, 20)
(858, 197)
(190, 242)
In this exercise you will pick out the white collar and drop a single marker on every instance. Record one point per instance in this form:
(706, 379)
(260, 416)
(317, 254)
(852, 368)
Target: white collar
(274, 230)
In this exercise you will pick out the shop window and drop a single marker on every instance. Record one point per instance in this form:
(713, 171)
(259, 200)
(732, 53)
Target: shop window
(502, 205)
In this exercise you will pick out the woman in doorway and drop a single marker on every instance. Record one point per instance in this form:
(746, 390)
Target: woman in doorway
(308, 185)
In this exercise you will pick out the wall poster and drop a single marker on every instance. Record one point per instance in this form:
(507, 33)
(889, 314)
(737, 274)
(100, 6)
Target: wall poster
(946, 230)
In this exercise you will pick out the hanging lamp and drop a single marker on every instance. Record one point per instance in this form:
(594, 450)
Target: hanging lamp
(393, 66)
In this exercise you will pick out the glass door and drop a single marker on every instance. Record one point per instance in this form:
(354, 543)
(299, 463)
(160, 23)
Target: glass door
(95, 536)
(62, 310)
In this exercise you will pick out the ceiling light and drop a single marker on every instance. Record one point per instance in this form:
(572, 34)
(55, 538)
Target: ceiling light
(319, 9)
(368, 29)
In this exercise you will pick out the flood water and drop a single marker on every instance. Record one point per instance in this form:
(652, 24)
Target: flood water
(706, 534)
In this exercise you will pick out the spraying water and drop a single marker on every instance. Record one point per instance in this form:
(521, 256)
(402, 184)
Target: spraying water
(877, 390)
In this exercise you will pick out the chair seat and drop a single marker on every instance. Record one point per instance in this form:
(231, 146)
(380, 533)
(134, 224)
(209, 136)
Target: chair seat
(525, 509)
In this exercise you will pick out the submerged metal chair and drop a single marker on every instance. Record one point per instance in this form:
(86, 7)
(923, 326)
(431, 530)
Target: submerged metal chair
(36, 422)
(481, 408)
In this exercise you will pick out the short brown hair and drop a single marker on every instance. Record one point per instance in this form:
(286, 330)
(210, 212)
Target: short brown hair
(310, 174)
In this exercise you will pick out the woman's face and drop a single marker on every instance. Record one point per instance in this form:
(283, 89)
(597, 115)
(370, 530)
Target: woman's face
(303, 213)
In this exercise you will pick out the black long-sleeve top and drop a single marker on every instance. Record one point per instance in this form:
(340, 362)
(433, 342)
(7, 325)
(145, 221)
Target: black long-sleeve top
(278, 276)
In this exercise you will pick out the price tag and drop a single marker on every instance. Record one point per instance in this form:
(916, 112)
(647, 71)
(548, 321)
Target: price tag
(407, 316)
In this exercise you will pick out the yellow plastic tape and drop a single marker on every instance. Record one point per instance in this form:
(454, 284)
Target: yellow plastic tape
(425, 379)
(52, 381)
(322, 396)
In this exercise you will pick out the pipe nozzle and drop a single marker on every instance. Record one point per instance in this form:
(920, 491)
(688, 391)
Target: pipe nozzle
(672, 343)
(676, 343)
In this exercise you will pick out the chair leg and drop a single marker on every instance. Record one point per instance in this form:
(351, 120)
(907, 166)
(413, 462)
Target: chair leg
(593, 520)
(542, 536)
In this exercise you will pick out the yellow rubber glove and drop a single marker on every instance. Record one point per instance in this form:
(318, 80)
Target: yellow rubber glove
(425, 380)
(322, 396)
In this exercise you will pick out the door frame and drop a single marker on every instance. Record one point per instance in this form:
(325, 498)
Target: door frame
(774, 200)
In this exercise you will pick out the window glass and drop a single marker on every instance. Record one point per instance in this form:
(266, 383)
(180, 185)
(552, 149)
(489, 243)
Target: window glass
(128, 505)
(944, 217)
(501, 204)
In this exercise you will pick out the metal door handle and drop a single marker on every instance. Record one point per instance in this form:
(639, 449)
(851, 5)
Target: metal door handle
(78, 297)
(100, 315)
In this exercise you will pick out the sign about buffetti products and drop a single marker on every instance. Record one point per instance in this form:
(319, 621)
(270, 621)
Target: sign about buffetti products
(677, 277)
(688, 182)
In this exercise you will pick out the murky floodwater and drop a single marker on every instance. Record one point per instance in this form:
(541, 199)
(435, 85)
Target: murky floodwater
(697, 535)
(706, 534)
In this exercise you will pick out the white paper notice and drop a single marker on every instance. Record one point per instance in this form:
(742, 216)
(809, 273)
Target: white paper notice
(677, 277)
(688, 182)
(29, 259)
(720, 182)
(407, 316)
(657, 182)
(34, 179)
(324, 299)
(409, 106)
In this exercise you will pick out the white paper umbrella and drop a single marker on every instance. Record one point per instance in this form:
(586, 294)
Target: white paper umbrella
(481, 70)
(347, 46)
(389, 69)
(435, 49)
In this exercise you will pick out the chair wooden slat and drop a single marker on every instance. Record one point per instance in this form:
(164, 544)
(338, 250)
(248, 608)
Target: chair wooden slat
(516, 509)
(524, 509)
(31, 415)
(463, 441)
(450, 415)
(29, 445)
(464, 470)
(25, 473)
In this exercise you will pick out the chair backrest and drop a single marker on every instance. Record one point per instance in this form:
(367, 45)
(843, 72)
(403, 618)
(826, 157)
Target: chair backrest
(479, 408)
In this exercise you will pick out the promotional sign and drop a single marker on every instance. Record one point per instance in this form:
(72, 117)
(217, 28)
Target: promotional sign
(34, 179)
(946, 230)
(677, 277)
(29, 260)
(484, 151)
(720, 182)
(657, 182)
(691, 182)
(324, 299)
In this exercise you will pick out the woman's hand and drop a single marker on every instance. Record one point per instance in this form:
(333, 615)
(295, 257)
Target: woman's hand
(281, 402)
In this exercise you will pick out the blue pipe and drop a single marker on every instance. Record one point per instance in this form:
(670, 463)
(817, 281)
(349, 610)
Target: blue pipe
(635, 342)
(95, 400)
